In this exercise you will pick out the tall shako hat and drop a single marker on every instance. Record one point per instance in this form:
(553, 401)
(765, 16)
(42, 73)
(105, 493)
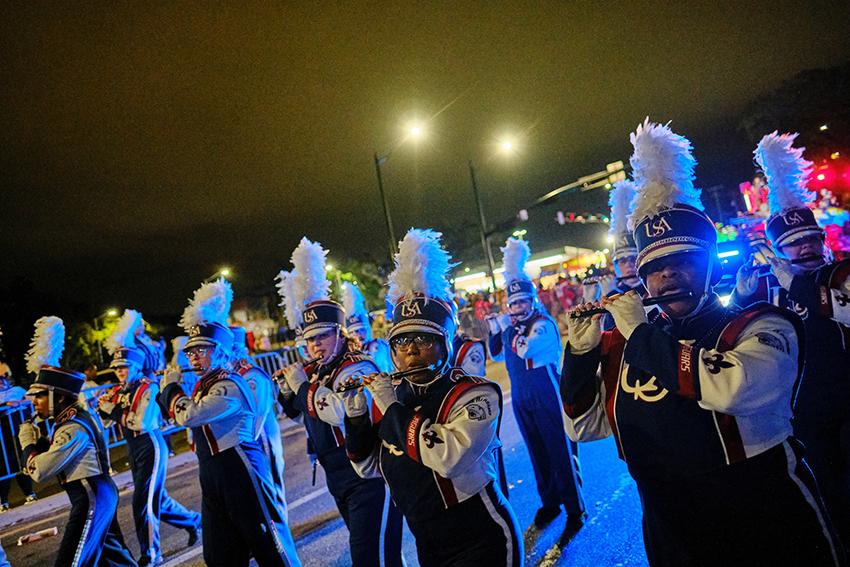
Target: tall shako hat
(787, 173)
(518, 284)
(121, 343)
(305, 292)
(43, 358)
(205, 319)
(667, 215)
(620, 201)
(356, 314)
(419, 288)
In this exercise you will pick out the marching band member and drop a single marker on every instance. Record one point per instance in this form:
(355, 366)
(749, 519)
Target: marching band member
(816, 289)
(239, 511)
(529, 342)
(434, 436)
(265, 394)
(132, 405)
(699, 399)
(373, 522)
(359, 326)
(76, 454)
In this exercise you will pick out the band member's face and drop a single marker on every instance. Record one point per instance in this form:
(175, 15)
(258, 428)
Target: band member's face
(412, 350)
(359, 334)
(811, 245)
(625, 269)
(678, 273)
(519, 308)
(200, 358)
(123, 373)
(41, 405)
(325, 345)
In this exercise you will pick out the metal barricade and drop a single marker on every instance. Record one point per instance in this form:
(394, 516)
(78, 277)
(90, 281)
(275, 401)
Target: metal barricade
(10, 420)
(274, 361)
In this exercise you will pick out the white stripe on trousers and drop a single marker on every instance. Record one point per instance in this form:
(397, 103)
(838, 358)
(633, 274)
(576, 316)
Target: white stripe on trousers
(791, 458)
(149, 507)
(262, 501)
(506, 529)
(87, 526)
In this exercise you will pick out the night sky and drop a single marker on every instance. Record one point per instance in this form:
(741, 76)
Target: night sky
(146, 145)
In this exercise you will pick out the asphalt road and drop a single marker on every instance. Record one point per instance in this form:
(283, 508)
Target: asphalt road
(611, 537)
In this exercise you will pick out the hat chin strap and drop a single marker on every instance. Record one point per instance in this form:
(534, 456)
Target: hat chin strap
(50, 404)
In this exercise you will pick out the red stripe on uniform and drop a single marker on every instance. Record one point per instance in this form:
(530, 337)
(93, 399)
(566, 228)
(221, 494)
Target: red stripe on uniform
(211, 439)
(311, 393)
(613, 345)
(731, 436)
(340, 438)
(686, 372)
(138, 397)
(173, 403)
(447, 489)
(462, 352)
(411, 437)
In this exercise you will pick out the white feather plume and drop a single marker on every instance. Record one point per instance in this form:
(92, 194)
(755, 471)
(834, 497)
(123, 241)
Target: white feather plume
(310, 280)
(291, 309)
(210, 304)
(421, 266)
(620, 200)
(787, 172)
(515, 255)
(352, 299)
(47, 344)
(124, 334)
(663, 171)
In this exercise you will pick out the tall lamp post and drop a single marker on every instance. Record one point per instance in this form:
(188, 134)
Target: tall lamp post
(414, 131)
(111, 312)
(485, 239)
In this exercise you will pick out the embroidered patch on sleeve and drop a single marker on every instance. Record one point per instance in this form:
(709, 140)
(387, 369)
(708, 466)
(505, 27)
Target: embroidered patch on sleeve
(774, 341)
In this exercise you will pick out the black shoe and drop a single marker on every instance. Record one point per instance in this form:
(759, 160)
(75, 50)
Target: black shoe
(145, 561)
(545, 515)
(575, 522)
(194, 536)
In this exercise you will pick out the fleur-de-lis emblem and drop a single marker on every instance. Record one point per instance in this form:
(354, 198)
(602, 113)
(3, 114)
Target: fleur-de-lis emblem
(715, 363)
(321, 403)
(431, 439)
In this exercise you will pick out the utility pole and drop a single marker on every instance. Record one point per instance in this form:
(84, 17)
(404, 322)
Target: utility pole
(390, 231)
(485, 240)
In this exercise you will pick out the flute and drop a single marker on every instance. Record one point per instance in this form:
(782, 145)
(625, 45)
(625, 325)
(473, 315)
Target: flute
(307, 362)
(669, 298)
(182, 369)
(764, 269)
(398, 375)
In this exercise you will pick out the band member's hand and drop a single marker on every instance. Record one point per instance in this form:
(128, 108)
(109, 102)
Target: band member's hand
(747, 279)
(783, 271)
(294, 376)
(583, 333)
(591, 291)
(28, 434)
(627, 310)
(355, 400)
(493, 323)
(382, 390)
(173, 375)
(608, 284)
(105, 404)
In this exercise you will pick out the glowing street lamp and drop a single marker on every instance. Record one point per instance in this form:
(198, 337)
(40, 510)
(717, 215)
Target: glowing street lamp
(224, 272)
(112, 312)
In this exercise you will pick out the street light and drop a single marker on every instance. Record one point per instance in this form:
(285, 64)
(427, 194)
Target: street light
(111, 312)
(414, 131)
(225, 272)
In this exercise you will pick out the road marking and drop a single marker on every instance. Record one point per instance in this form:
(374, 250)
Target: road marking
(183, 557)
(306, 498)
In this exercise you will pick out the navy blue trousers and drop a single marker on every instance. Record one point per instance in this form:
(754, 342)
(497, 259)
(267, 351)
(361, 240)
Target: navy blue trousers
(151, 502)
(92, 535)
(239, 515)
(554, 458)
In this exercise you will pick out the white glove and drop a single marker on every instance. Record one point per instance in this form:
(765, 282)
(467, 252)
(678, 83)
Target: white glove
(627, 310)
(504, 322)
(608, 284)
(294, 376)
(173, 375)
(583, 333)
(591, 292)
(382, 390)
(356, 403)
(783, 271)
(28, 434)
(493, 323)
(285, 390)
(747, 279)
(104, 404)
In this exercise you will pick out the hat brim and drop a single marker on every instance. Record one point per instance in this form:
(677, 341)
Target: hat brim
(36, 389)
(199, 341)
(317, 329)
(793, 236)
(416, 326)
(664, 249)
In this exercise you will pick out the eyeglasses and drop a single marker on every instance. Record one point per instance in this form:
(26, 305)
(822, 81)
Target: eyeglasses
(197, 351)
(421, 341)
